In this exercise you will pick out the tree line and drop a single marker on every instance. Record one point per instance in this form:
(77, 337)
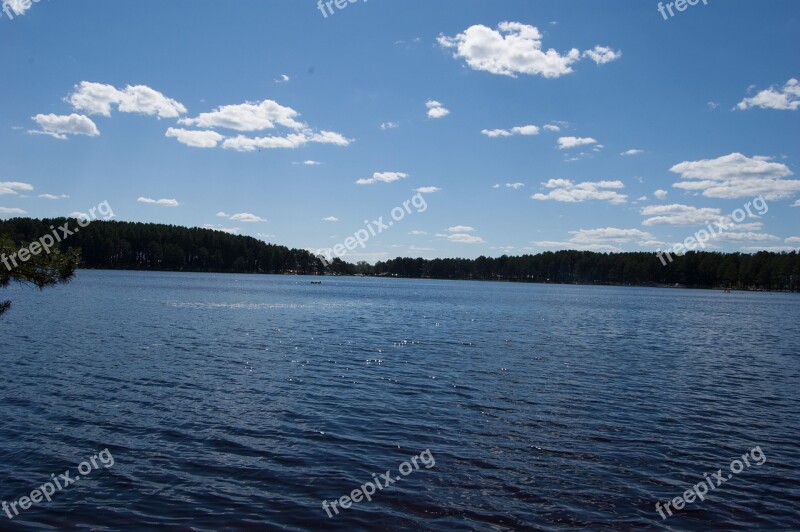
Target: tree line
(146, 246)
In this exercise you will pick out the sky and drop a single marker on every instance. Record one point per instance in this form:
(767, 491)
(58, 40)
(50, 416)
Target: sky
(503, 126)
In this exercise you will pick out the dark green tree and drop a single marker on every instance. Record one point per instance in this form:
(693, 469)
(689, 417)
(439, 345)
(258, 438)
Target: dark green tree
(41, 271)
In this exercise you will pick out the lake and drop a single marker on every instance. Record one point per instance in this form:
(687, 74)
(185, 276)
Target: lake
(240, 401)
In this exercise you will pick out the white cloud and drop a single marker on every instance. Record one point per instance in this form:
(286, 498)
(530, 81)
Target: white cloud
(515, 186)
(417, 233)
(11, 187)
(98, 98)
(736, 176)
(551, 127)
(565, 143)
(785, 99)
(660, 194)
(602, 54)
(20, 7)
(223, 214)
(796, 203)
(463, 238)
(746, 236)
(515, 48)
(632, 152)
(772, 249)
(382, 177)
(291, 141)
(59, 126)
(229, 230)
(608, 235)
(519, 130)
(162, 202)
(11, 210)
(641, 198)
(195, 139)
(793, 240)
(566, 191)
(283, 79)
(427, 190)
(676, 214)
(436, 109)
(389, 125)
(246, 217)
(248, 116)
(53, 196)
(602, 240)
(330, 219)
(311, 163)
(461, 229)
(712, 105)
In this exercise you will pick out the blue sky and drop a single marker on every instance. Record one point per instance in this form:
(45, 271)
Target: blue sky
(542, 125)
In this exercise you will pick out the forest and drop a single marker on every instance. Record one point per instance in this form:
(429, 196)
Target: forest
(147, 246)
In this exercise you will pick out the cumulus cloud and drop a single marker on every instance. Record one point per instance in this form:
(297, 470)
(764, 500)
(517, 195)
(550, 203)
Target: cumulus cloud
(389, 125)
(746, 236)
(11, 210)
(427, 190)
(19, 7)
(311, 163)
(677, 214)
(417, 233)
(602, 54)
(382, 177)
(784, 99)
(631, 152)
(519, 130)
(565, 143)
(551, 127)
(253, 116)
(736, 176)
(515, 186)
(603, 240)
(291, 141)
(59, 126)
(246, 217)
(11, 187)
(461, 229)
(796, 203)
(283, 79)
(463, 238)
(99, 98)
(330, 219)
(53, 196)
(515, 48)
(436, 109)
(772, 249)
(248, 116)
(229, 230)
(163, 202)
(566, 191)
(793, 240)
(195, 138)
(660, 194)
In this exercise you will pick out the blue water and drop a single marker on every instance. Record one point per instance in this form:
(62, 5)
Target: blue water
(234, 401)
